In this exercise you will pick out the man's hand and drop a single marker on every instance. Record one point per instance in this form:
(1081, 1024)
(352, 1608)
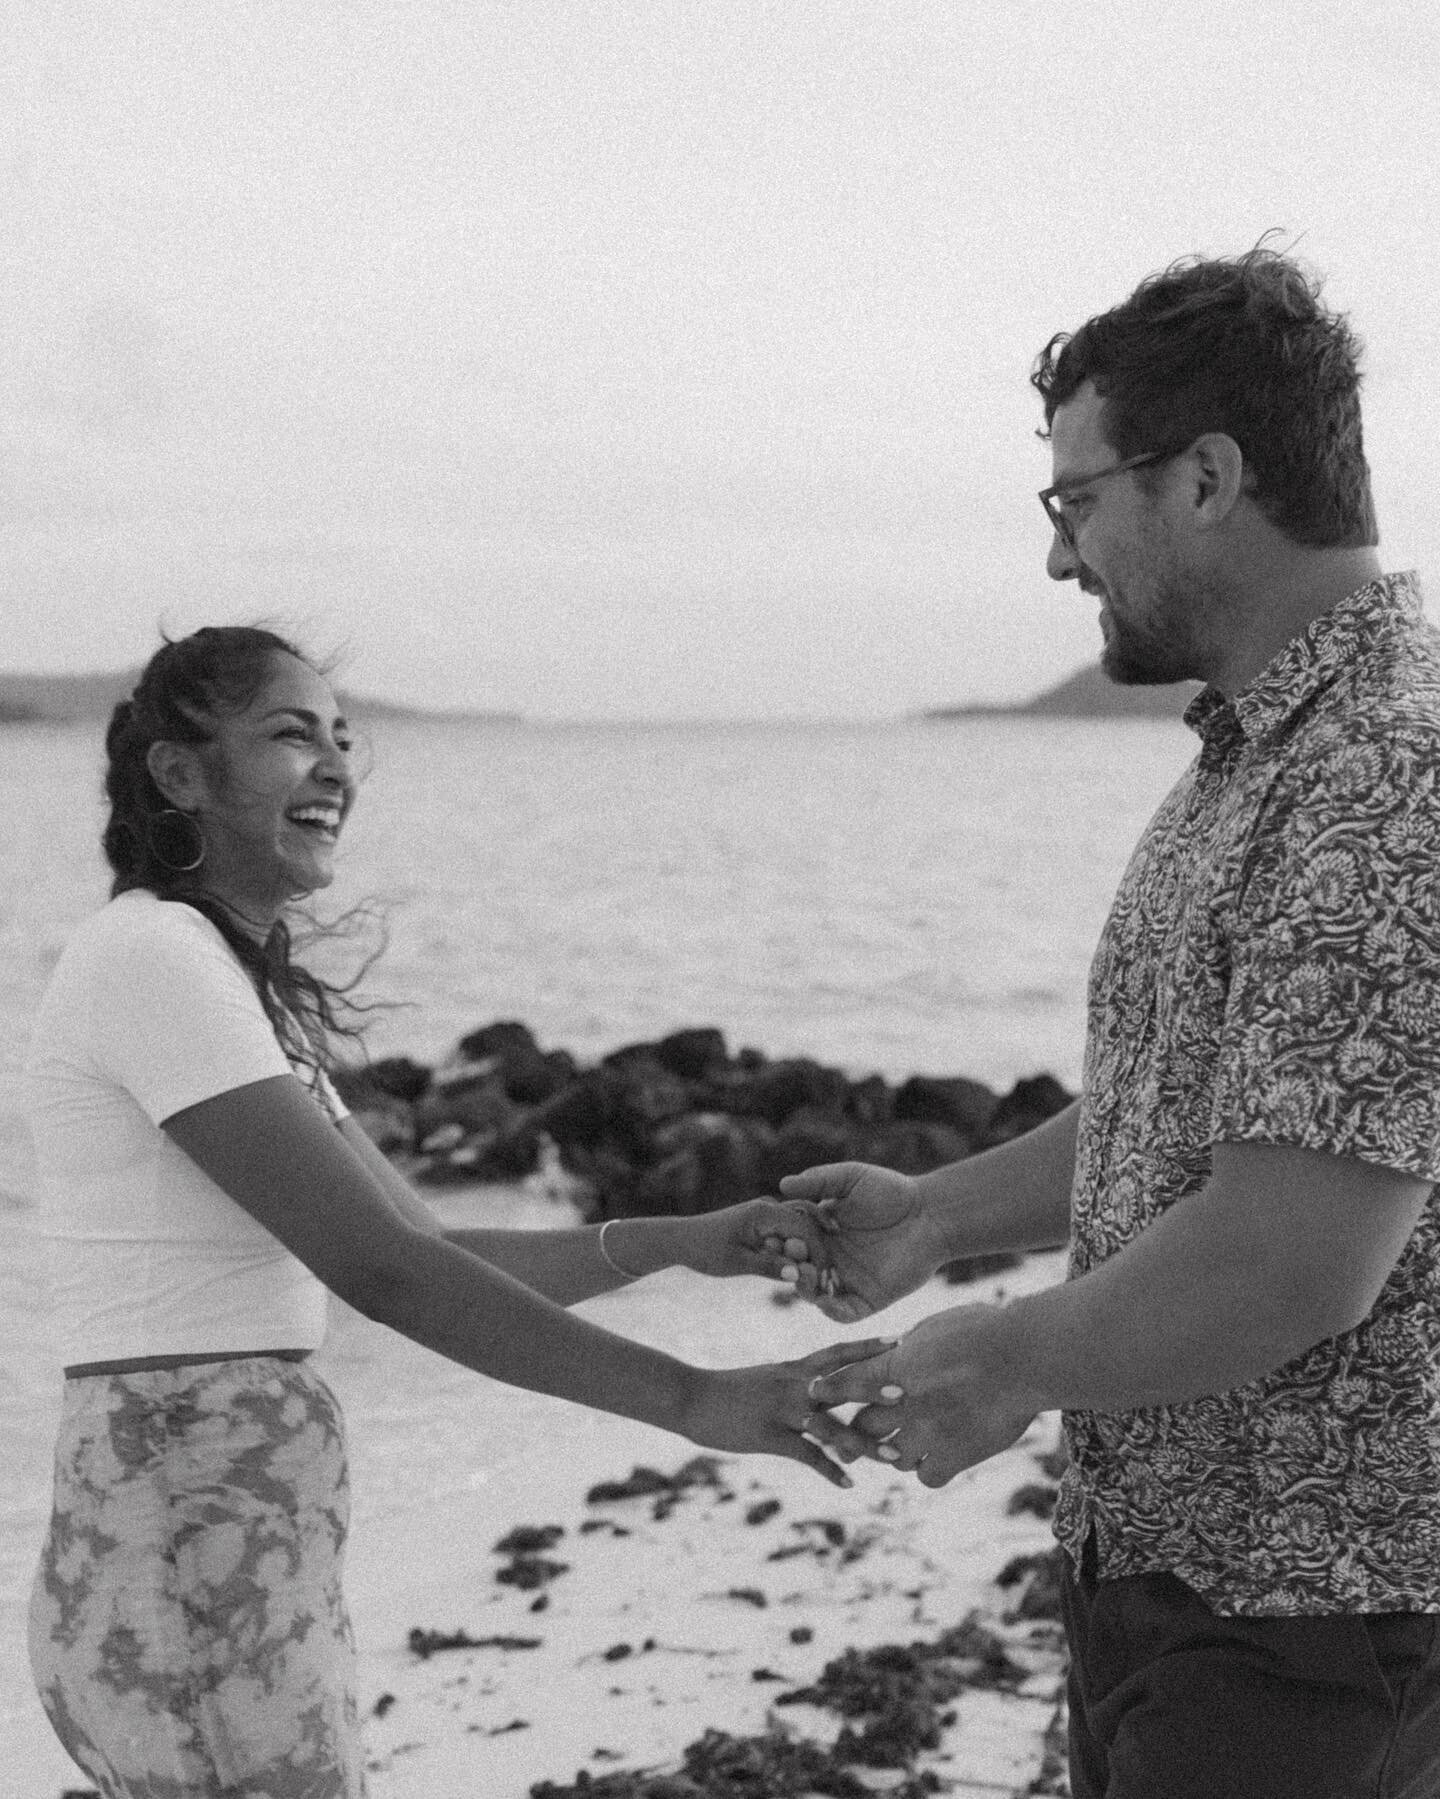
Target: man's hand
(878, 1242)
(961, 1404)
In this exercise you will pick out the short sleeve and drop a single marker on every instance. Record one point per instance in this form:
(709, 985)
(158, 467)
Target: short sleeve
(1331, 1038)
(173, 1018)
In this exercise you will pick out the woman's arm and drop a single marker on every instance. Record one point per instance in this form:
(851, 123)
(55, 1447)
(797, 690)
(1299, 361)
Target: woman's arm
(268, 1147)
(566, 1265)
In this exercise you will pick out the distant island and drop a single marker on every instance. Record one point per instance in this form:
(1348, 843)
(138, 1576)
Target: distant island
(81, 699)
(1088, 693)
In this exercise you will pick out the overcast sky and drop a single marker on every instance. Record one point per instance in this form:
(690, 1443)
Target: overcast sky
(664, 359)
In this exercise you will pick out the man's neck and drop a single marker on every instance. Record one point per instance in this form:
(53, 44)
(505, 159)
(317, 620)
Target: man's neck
(1281, 596)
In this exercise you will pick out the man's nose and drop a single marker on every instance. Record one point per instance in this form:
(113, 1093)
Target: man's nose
(1062, 564)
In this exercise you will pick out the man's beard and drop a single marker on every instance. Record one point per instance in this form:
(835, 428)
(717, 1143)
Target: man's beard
(1160, 648)
(1132, 659)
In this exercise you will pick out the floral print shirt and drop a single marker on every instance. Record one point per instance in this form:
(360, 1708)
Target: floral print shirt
(1270, 973)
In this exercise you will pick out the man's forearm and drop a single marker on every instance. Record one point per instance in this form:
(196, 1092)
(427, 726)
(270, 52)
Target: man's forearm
(1282, 1249)
(1015, 1197)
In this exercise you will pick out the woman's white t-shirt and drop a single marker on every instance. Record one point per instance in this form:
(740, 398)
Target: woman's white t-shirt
(149, 1012)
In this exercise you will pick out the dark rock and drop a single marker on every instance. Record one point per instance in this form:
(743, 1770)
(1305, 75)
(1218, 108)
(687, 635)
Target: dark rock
(965, 1105)
(762, 1511)
(613, 1180)
(870, 1102)
(398, 1076)
(1027, 1104)
(648, 1091)
(720, 1161)
(503, 1039)
(472, 1097)
(693, 1055)
(777, 1090)
(807, 1137)
(388, 1123)
(528, 1075)
(580, 1115)
(510, 1156)
(913, 1146)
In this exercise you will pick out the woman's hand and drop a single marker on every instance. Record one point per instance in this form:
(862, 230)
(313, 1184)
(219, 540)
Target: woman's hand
(768, 1410)
(773, 1238)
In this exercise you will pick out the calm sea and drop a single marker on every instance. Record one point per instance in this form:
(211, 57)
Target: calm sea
(895, 898)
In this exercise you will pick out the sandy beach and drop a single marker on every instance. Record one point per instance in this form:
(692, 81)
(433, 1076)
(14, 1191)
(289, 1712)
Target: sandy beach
(622, 1630)
(676, 1612)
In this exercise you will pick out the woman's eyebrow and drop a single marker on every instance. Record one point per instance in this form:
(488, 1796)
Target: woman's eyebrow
(303, 713)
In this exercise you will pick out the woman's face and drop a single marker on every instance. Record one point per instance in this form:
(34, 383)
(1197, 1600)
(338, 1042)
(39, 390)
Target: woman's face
(274, 790)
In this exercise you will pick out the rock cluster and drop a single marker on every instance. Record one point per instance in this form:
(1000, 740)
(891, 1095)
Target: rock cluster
(677, 1126)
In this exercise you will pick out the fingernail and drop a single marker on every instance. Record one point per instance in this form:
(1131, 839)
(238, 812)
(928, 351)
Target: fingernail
(845, 1481)
(813, 1385)
(892, 1393)
(789, 1272)
(887, 1452)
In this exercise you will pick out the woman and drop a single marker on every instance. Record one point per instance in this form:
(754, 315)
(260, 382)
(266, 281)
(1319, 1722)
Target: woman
(202, 1187)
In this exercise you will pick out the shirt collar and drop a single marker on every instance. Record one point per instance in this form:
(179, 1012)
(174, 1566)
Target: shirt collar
(1310, 661)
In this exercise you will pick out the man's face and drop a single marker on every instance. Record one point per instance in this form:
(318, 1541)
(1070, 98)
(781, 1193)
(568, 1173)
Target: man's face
(1153, 608)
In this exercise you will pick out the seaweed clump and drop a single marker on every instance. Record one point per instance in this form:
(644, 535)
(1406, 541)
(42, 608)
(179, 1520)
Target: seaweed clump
(527, 1567)
(900, 1691)
(721, 1766)
(667, 1490)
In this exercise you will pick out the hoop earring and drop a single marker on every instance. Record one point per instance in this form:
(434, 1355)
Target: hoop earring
(158, 823)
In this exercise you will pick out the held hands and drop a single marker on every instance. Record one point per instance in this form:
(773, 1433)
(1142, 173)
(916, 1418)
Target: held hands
(963, 1400)
(772, 1409)
(870, 1240)
(764, 1237)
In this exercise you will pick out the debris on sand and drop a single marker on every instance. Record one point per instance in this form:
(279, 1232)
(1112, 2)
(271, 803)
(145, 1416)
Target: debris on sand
(1040, 1595)
(667, 1490)
(721, 1766)
(1036, 1497)
(426, 1643)
(900, 1690)
(528, 1568)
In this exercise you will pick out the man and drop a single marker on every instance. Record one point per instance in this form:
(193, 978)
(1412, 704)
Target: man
(1247, 1348)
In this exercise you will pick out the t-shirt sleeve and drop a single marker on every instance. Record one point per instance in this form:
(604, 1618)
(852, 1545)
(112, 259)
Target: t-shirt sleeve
(173, 1018)
(1332, 1029)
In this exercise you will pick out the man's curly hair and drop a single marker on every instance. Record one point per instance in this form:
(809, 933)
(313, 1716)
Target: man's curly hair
(1243, 346)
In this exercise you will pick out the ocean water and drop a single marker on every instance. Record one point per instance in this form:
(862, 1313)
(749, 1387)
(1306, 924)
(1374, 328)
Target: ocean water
(891, 898)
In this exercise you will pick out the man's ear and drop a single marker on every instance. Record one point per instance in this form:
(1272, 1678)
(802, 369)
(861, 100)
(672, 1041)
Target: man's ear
(175, 770)
(1218, 469)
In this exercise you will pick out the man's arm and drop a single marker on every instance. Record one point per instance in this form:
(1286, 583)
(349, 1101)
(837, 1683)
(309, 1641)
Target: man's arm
(887, 1233)
(1280, 1250)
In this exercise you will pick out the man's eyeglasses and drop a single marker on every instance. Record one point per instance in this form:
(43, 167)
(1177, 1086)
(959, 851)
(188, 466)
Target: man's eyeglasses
(1054, 499)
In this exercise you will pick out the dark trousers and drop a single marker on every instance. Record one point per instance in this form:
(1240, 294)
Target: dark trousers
(1168, 1700)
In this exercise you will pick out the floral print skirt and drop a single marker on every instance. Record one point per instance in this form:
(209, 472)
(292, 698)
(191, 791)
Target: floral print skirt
(187, 1630)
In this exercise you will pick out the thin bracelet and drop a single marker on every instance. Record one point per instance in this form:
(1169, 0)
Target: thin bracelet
(608, 1259)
